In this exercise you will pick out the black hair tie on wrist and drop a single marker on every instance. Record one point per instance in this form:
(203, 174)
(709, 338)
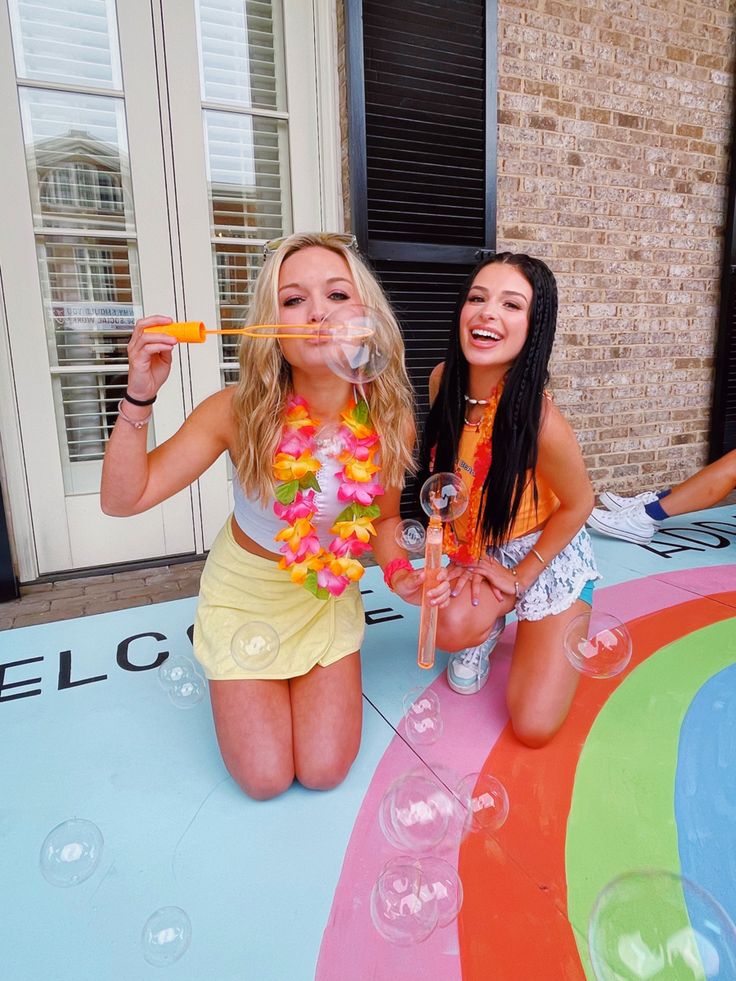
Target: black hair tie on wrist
(129, 398)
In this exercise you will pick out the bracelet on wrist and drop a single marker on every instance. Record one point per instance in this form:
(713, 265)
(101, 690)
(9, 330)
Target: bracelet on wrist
(135, 423)
(393, 567)
(517, 585)
(139, 402)
(536, 555)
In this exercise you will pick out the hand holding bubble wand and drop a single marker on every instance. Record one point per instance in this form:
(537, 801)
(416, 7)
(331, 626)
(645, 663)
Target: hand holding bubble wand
(195, 332)
(444, 498)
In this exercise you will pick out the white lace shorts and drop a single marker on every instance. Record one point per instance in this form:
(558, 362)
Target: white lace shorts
(561, 581)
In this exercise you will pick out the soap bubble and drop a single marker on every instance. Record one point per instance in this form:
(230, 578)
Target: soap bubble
(487, 801)
(330, 440)
(71, 852)
(410, 535)
(422, 716)
(189, 692)
(174, 670)
(255, 646)
(398, 911)
(355, 343)
(415, 812)
(656, 925)
(440, 881)
(444, 495)
(597, 644)
(166, 936)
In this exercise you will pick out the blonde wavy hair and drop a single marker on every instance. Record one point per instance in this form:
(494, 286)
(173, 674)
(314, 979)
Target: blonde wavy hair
(264, 383)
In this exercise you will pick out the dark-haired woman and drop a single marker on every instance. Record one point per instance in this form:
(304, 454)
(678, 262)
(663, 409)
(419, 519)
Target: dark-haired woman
(521, 545)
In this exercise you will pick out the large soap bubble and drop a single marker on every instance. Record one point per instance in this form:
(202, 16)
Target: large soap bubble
(71, 852)
(597, 644)
(398, 911)
(355, 342)
(444, 496)
(255, 646)
(415, 812)
(166, 936)
(440, 881)
(656, 926)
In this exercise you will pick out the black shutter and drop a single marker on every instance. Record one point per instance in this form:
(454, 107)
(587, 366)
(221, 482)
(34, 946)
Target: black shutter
(723, 416)
(422, 115)
(8, 583)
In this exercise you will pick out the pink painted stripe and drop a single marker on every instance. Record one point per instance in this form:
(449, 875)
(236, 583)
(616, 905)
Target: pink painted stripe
(472, 726)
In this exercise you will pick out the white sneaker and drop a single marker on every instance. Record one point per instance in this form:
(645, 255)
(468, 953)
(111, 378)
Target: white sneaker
(614, 502)
(632, 524)
(468, 670)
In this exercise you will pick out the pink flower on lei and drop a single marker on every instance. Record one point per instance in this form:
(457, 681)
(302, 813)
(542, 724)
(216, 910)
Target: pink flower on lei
(303, 506)
(359, 448)
(351, 547)
(294, 442)
(362, 493)
(335, 585)
(309, 545)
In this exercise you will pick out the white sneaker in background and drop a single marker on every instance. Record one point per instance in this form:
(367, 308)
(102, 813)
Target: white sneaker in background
(632, 524)
(614, 502)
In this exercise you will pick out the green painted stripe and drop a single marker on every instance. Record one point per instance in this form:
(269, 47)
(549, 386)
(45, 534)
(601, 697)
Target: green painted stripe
(622, 812)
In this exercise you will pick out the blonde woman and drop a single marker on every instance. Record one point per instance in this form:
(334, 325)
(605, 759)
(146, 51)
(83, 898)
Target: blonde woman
(302, 514)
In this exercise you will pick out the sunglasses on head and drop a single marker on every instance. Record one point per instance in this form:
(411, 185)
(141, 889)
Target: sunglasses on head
(330, 238)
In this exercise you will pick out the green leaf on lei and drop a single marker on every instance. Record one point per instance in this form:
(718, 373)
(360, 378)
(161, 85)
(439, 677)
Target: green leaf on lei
(311, 584)
(286, 492)
(309, 482)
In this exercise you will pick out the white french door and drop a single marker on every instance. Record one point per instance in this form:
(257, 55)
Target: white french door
(150, 151)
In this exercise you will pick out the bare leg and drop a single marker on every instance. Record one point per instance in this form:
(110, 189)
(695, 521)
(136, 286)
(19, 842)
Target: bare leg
(542, 682)
(460, 624)
(704, 489)
(327, 715)
(254, 731)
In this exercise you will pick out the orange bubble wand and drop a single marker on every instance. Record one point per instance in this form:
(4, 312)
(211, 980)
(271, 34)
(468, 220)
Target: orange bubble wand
(444, 498)
(195, 332)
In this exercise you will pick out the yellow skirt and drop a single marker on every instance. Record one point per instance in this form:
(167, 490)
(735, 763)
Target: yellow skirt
(238, 587)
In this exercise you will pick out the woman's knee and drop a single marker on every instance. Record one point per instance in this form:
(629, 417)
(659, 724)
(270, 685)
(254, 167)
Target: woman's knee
(533, 728)
(260, 783)
(325, 773)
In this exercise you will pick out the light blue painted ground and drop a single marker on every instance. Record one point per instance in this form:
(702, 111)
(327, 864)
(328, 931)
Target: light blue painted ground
(93, 739)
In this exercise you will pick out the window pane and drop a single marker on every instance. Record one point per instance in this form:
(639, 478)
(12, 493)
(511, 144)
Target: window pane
(236, 270)
(237, 51)
(91, 297)
(78, 160)
(70, 41)
(245, 174)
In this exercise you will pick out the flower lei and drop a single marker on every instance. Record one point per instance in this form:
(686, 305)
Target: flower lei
(325, 571)
(466, 553)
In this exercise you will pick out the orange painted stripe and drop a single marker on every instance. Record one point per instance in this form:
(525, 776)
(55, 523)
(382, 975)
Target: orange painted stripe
(513, 925)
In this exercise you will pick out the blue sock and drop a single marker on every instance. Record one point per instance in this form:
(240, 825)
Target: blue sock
(655, 510)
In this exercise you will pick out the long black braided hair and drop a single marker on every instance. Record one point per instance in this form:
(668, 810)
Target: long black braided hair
(518, 416)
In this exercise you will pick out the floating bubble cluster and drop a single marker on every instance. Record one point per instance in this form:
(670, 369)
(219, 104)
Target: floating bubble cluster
(179, 677)
(422, 716)
(71, 852)
(439, 881)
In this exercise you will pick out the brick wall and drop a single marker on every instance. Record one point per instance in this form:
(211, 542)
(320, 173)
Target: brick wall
(614, 129)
